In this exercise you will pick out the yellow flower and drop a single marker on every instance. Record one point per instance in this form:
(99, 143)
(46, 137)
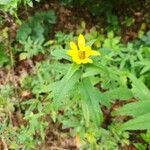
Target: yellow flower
(80, 53)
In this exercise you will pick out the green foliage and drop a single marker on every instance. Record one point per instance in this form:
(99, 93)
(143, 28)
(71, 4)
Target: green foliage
(66, 92)
(11, 6)
(81, 91)
(23, 136)
(33, 33)
(31, 49)
(4, 49)
(35, 29)
(3, 57)
(90, 102)
(73, 90)
(146, 137)
(129, 21)
(133, 58)
(27, 133)
(139, 110)
(7, 99)
(140, 146)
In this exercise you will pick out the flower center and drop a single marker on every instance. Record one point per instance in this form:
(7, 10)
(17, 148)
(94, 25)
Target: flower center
(81, 54)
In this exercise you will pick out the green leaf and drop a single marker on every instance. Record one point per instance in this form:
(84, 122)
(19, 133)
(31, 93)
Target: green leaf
(3, 58)
(102, 98)
(86, 112)
(134, 109)
(89, 96)
(120, 93)
(60, 54)
(2, 100)
(61, 88)
(92, 70)
(139, 89)
(30, 4)
(139, 123)
(91, 42)
(139, 110)
(23, 32)
(35, 29)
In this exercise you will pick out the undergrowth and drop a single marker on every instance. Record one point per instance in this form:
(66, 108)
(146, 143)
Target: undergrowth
(92, 84)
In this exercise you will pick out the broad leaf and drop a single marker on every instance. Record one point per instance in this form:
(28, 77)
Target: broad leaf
(139, 89)
(140, 110)
(61, 88)
(91, 101)
(60, 54)
(139, 123)
(120, 93)
(134, 109)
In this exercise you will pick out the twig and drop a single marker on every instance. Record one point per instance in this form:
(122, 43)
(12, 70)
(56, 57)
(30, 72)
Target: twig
(13, 78)
(4, 144)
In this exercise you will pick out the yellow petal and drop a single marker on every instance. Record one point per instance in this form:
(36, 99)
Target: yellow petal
(90, 52)
(73, 46)
(87, 60)
(95, 53)
(78, 61)
(90, 60)
(81, 42)
(72, 53)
